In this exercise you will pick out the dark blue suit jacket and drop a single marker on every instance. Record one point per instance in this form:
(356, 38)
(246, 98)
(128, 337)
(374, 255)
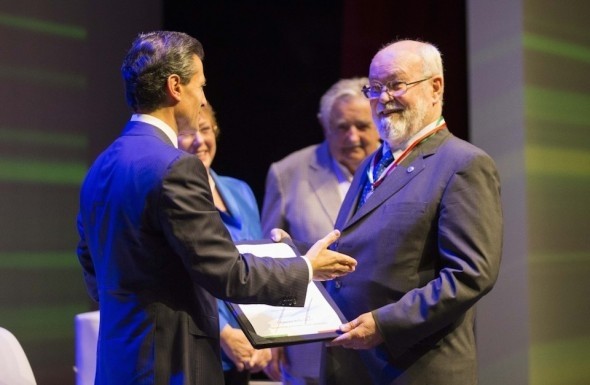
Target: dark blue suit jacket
(155, 253)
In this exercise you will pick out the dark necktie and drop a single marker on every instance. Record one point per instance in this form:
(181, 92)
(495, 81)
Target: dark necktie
(381, 165)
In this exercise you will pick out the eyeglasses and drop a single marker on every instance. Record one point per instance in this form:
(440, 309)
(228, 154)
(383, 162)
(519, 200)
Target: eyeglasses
(373, 91)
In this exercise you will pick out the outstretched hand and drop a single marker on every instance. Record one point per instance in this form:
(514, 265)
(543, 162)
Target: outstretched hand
(326, 264)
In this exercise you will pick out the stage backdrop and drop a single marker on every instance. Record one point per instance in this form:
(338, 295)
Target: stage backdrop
(556, 43)
(524, 101)
(62, 100)
(529, 98)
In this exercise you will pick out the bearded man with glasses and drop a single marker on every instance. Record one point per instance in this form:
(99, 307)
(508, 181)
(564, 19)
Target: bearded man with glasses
(423, 217)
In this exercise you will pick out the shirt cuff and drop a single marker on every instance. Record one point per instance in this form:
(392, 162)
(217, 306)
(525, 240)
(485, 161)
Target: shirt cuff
(309, 267)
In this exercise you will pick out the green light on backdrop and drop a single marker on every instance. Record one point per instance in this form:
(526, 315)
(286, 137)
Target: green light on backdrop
(38, 260)
(42, 322)
(556, 106)
(42, 76)
(561, 362)
(52, 172)
(560, 258)
(565, 162)
(47, 27)
(18, 136)
(556, 47)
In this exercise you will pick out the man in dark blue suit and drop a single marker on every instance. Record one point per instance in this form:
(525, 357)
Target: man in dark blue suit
(152, 245)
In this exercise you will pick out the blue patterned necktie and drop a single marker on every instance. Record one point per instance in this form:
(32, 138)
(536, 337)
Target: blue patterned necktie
(381, 165)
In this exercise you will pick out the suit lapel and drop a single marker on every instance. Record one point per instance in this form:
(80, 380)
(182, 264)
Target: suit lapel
(323, 182)
(354, 192)
(398, 178)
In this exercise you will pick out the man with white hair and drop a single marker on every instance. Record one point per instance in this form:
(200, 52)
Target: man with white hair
(423, 217)
(304, 191)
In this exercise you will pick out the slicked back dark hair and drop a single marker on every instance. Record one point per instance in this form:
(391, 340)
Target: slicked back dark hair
(152, 58)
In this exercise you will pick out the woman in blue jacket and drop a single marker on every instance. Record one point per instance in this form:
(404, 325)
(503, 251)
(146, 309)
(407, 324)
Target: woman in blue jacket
(239, 211)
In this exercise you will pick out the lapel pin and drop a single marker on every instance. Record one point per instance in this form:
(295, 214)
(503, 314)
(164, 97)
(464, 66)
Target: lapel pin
(410, 169)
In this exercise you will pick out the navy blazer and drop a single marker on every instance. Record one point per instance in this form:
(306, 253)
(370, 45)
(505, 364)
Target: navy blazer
(154, 253)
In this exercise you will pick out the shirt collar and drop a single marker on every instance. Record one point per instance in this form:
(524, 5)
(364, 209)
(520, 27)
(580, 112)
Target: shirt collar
(341, 171)
(343, 176)
(160, 124)
(423, 131)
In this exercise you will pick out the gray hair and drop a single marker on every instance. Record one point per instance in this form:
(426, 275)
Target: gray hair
(342, 88)
(432, 64)
(152, 58)
(431, 59)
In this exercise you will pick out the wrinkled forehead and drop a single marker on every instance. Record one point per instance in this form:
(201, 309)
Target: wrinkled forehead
(392, 63)
(347, 100)
(351, 106)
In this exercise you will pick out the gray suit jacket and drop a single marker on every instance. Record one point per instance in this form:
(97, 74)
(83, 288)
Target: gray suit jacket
(302, 197)
(428, 244)
(154, 253)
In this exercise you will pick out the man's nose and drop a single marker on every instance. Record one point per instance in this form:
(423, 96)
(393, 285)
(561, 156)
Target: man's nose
(385, 97)
(353, 133)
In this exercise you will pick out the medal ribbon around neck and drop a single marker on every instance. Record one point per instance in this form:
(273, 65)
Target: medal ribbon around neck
(374, 184)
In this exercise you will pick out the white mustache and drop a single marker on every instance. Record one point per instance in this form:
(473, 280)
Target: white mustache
(389, 108)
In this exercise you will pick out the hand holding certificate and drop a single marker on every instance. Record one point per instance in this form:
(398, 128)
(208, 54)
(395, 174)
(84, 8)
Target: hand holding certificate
(318, 319)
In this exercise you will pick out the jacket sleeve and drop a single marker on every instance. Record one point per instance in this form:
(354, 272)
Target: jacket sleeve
(193, 227)
(86, 262)
(469, 251)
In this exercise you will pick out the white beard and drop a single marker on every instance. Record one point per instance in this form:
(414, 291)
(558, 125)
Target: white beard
(399, 127)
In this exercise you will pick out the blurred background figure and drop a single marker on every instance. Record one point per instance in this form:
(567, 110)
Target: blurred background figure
(239, 211)
(305, 189)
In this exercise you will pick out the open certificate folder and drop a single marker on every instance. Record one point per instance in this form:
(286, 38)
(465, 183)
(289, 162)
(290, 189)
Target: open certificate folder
(267, 326)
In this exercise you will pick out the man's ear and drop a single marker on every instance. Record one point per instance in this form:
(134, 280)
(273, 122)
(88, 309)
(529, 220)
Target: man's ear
(438, 87)
(173, 87)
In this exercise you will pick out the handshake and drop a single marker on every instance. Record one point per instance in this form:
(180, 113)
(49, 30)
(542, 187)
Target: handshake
(326, 264)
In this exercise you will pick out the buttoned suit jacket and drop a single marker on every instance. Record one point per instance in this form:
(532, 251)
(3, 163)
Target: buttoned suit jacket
(154, 252)
(302, 197)
(428, 244)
